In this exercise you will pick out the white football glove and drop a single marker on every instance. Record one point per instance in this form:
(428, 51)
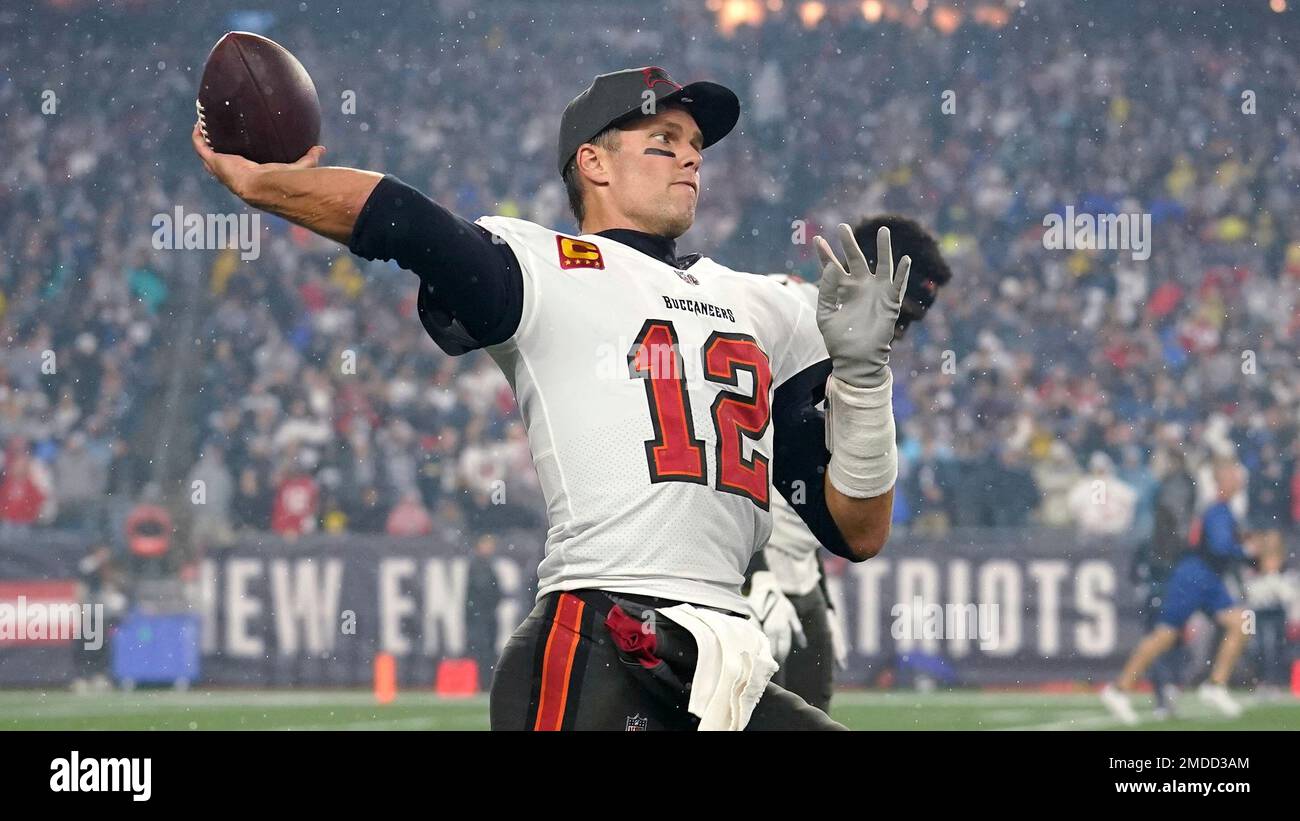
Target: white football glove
(858, 309)
(776, 614)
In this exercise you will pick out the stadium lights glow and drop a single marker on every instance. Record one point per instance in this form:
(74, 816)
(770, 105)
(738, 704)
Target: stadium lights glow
(732, 14)
(736, 13)
(991, 16)
(946, 19)
(811, 13)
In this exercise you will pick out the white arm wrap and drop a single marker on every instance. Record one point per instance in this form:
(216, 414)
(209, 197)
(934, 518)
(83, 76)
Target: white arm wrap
(860, 437)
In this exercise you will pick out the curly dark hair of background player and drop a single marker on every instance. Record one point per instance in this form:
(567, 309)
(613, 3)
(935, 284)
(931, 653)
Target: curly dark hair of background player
(929, 271)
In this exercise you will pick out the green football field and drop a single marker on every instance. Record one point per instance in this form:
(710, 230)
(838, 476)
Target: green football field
(352, 710)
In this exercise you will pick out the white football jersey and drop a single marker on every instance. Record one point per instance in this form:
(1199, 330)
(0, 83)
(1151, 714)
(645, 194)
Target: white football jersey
(791, 552)
(646, 392)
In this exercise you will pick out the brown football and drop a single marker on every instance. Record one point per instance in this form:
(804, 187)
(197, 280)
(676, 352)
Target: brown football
(256, 100)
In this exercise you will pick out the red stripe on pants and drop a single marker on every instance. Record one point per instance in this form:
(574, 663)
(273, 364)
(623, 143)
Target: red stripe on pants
(557, 662)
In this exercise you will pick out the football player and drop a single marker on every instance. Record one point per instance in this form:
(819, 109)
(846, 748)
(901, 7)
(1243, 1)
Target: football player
(1214, 546)
(655, 388)
(787, 588)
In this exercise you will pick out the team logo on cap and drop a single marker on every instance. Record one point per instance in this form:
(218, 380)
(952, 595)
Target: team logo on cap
(655, 74)
(576, 253)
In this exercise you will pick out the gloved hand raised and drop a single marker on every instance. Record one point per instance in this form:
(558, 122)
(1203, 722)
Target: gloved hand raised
(857, 309)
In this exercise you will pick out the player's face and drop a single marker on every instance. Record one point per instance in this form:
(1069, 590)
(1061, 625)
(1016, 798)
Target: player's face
(655, 175)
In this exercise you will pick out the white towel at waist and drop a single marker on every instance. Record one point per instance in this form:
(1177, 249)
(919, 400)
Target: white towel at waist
(734, 665)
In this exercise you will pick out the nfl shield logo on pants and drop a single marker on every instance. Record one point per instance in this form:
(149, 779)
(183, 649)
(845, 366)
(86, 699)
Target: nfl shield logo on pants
(637, 723)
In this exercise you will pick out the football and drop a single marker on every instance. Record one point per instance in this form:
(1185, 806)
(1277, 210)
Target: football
(256, 100)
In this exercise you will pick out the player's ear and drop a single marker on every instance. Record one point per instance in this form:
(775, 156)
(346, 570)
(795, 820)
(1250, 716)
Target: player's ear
(592, 164)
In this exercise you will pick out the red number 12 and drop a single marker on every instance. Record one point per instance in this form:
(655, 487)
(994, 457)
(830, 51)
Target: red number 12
(675, 454)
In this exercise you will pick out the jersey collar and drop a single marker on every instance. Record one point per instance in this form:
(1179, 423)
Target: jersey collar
(660, 248)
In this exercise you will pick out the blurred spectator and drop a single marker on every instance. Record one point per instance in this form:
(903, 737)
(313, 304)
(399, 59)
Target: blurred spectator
(927, 489)
(80, 481)
(492, 512)
(102, 582)
(367, 513)
(1269, 492)
(409, 518)
(1271, 593)
(1137, 474)
(22, 492)
(253, 500)
(297, 498)
(1056, 476)
(1101, 503)
(300, 429)
(212, 524)
(333, 520)
(966, 481)
(1015, 494)
(1174, 510)
(436, 471)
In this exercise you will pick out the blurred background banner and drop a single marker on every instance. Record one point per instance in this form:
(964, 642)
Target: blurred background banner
(273, 613)
(988, 607)
(318, 610)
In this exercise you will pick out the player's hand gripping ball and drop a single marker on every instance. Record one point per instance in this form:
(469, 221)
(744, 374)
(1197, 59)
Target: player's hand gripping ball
(256, 100)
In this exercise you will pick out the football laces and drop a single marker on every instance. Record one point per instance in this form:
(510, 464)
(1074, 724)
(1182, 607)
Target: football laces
(203, 124)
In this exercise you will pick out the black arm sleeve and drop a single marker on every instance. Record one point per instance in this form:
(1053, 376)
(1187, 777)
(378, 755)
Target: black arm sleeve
(800, 453)
(471, 288)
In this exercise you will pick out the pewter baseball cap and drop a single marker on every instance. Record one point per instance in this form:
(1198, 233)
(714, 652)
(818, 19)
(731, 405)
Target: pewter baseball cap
(618, 96)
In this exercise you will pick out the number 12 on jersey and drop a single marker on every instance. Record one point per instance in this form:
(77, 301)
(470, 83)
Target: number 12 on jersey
(675, 454)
